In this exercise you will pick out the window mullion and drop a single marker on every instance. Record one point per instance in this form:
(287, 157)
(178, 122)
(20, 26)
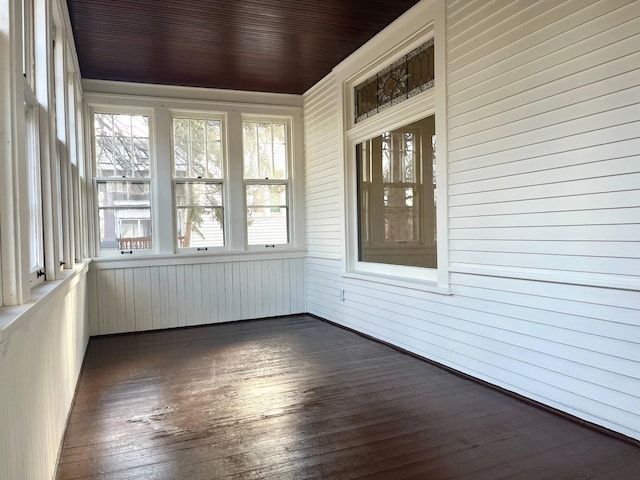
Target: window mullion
(161, 182)
(235, 187)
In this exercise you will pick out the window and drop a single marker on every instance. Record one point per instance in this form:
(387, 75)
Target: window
(266, 182)
(36, 231)
(28, 42)
(32, 146)
(396, 196)
(198, 173)
(123, 181)
(404, 78)
(174, 176)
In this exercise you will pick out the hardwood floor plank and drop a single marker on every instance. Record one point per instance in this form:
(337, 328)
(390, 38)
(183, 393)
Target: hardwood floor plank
(295, 397)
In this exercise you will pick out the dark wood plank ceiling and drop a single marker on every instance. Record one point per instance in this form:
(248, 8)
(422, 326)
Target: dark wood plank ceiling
(283, 46)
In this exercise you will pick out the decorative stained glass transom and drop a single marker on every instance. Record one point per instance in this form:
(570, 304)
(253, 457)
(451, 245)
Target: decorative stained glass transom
(404, 78)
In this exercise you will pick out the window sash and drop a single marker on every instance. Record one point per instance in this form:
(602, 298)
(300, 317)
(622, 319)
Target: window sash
(200, 215)
(117, 201)
(124, 186)
(268, 223)
(198, 149)
(266, 150)
(34, 188)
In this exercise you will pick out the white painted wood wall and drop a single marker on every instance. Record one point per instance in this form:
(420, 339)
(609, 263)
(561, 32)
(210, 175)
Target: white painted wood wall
(544, 220)
(129, 299)
(40, 362)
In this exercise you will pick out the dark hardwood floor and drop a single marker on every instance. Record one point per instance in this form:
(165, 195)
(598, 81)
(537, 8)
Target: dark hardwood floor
(296, 397)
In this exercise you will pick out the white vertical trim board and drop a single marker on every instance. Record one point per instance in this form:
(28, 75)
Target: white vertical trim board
(544, 208)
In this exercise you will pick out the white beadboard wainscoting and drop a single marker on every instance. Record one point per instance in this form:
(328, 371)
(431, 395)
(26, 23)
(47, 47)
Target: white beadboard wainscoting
(152, 297)
(42, 345)
(543, 115)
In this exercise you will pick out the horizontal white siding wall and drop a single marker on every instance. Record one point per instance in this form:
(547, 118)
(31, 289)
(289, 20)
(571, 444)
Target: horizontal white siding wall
(323, 172)
(39, 366)
(544, 139)
(544, 185)
(169, 296)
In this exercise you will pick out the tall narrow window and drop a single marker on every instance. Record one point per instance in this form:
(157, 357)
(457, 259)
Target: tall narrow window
(123, 173)
(32, 146)
(198, 172)
(36, 232)
(28, 42)
(266, 182)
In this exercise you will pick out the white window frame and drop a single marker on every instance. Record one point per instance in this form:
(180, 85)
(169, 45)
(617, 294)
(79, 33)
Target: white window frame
(288, 182)
(34, 177)
(223, 182)
(161, 105)
(430, 102)
(151, 180)
(28, 38)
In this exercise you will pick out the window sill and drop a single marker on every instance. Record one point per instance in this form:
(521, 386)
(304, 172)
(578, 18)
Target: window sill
(12, 317)
(421, 285)
(195, 258)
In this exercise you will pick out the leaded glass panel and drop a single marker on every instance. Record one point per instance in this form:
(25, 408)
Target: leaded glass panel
(404, 78)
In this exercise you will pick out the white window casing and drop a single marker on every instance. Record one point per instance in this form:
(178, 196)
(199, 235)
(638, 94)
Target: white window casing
(352, 72)
(168, 188)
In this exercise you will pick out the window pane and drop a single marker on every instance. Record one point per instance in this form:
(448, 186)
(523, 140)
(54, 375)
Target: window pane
(396, 202)
(104, 157)
(180, 147)
(265, 150)
(214, 149)
(267, 226)
(125, 228)
(122, 125)
(404, 78)
(200, 227)
(250, 150)
(103, 124)
(198, 194)
(401, 222)
(199, 216)
(36, 240)
(124, 194)
(197, 148)
(120, 206)
(267, 195)
(121, 145)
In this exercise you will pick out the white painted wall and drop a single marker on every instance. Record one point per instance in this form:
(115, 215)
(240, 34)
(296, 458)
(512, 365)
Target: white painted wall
(544, 216)
(41, 352)
(174, 294)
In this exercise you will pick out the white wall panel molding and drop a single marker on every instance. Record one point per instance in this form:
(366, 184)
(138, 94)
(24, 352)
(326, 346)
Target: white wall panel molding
(107, 263)
(152, 297)
(145, 91)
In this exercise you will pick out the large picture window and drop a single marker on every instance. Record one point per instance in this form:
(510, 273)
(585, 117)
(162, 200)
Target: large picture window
(198, 172)
(123, 173)
(266, 182)
(396, 196)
